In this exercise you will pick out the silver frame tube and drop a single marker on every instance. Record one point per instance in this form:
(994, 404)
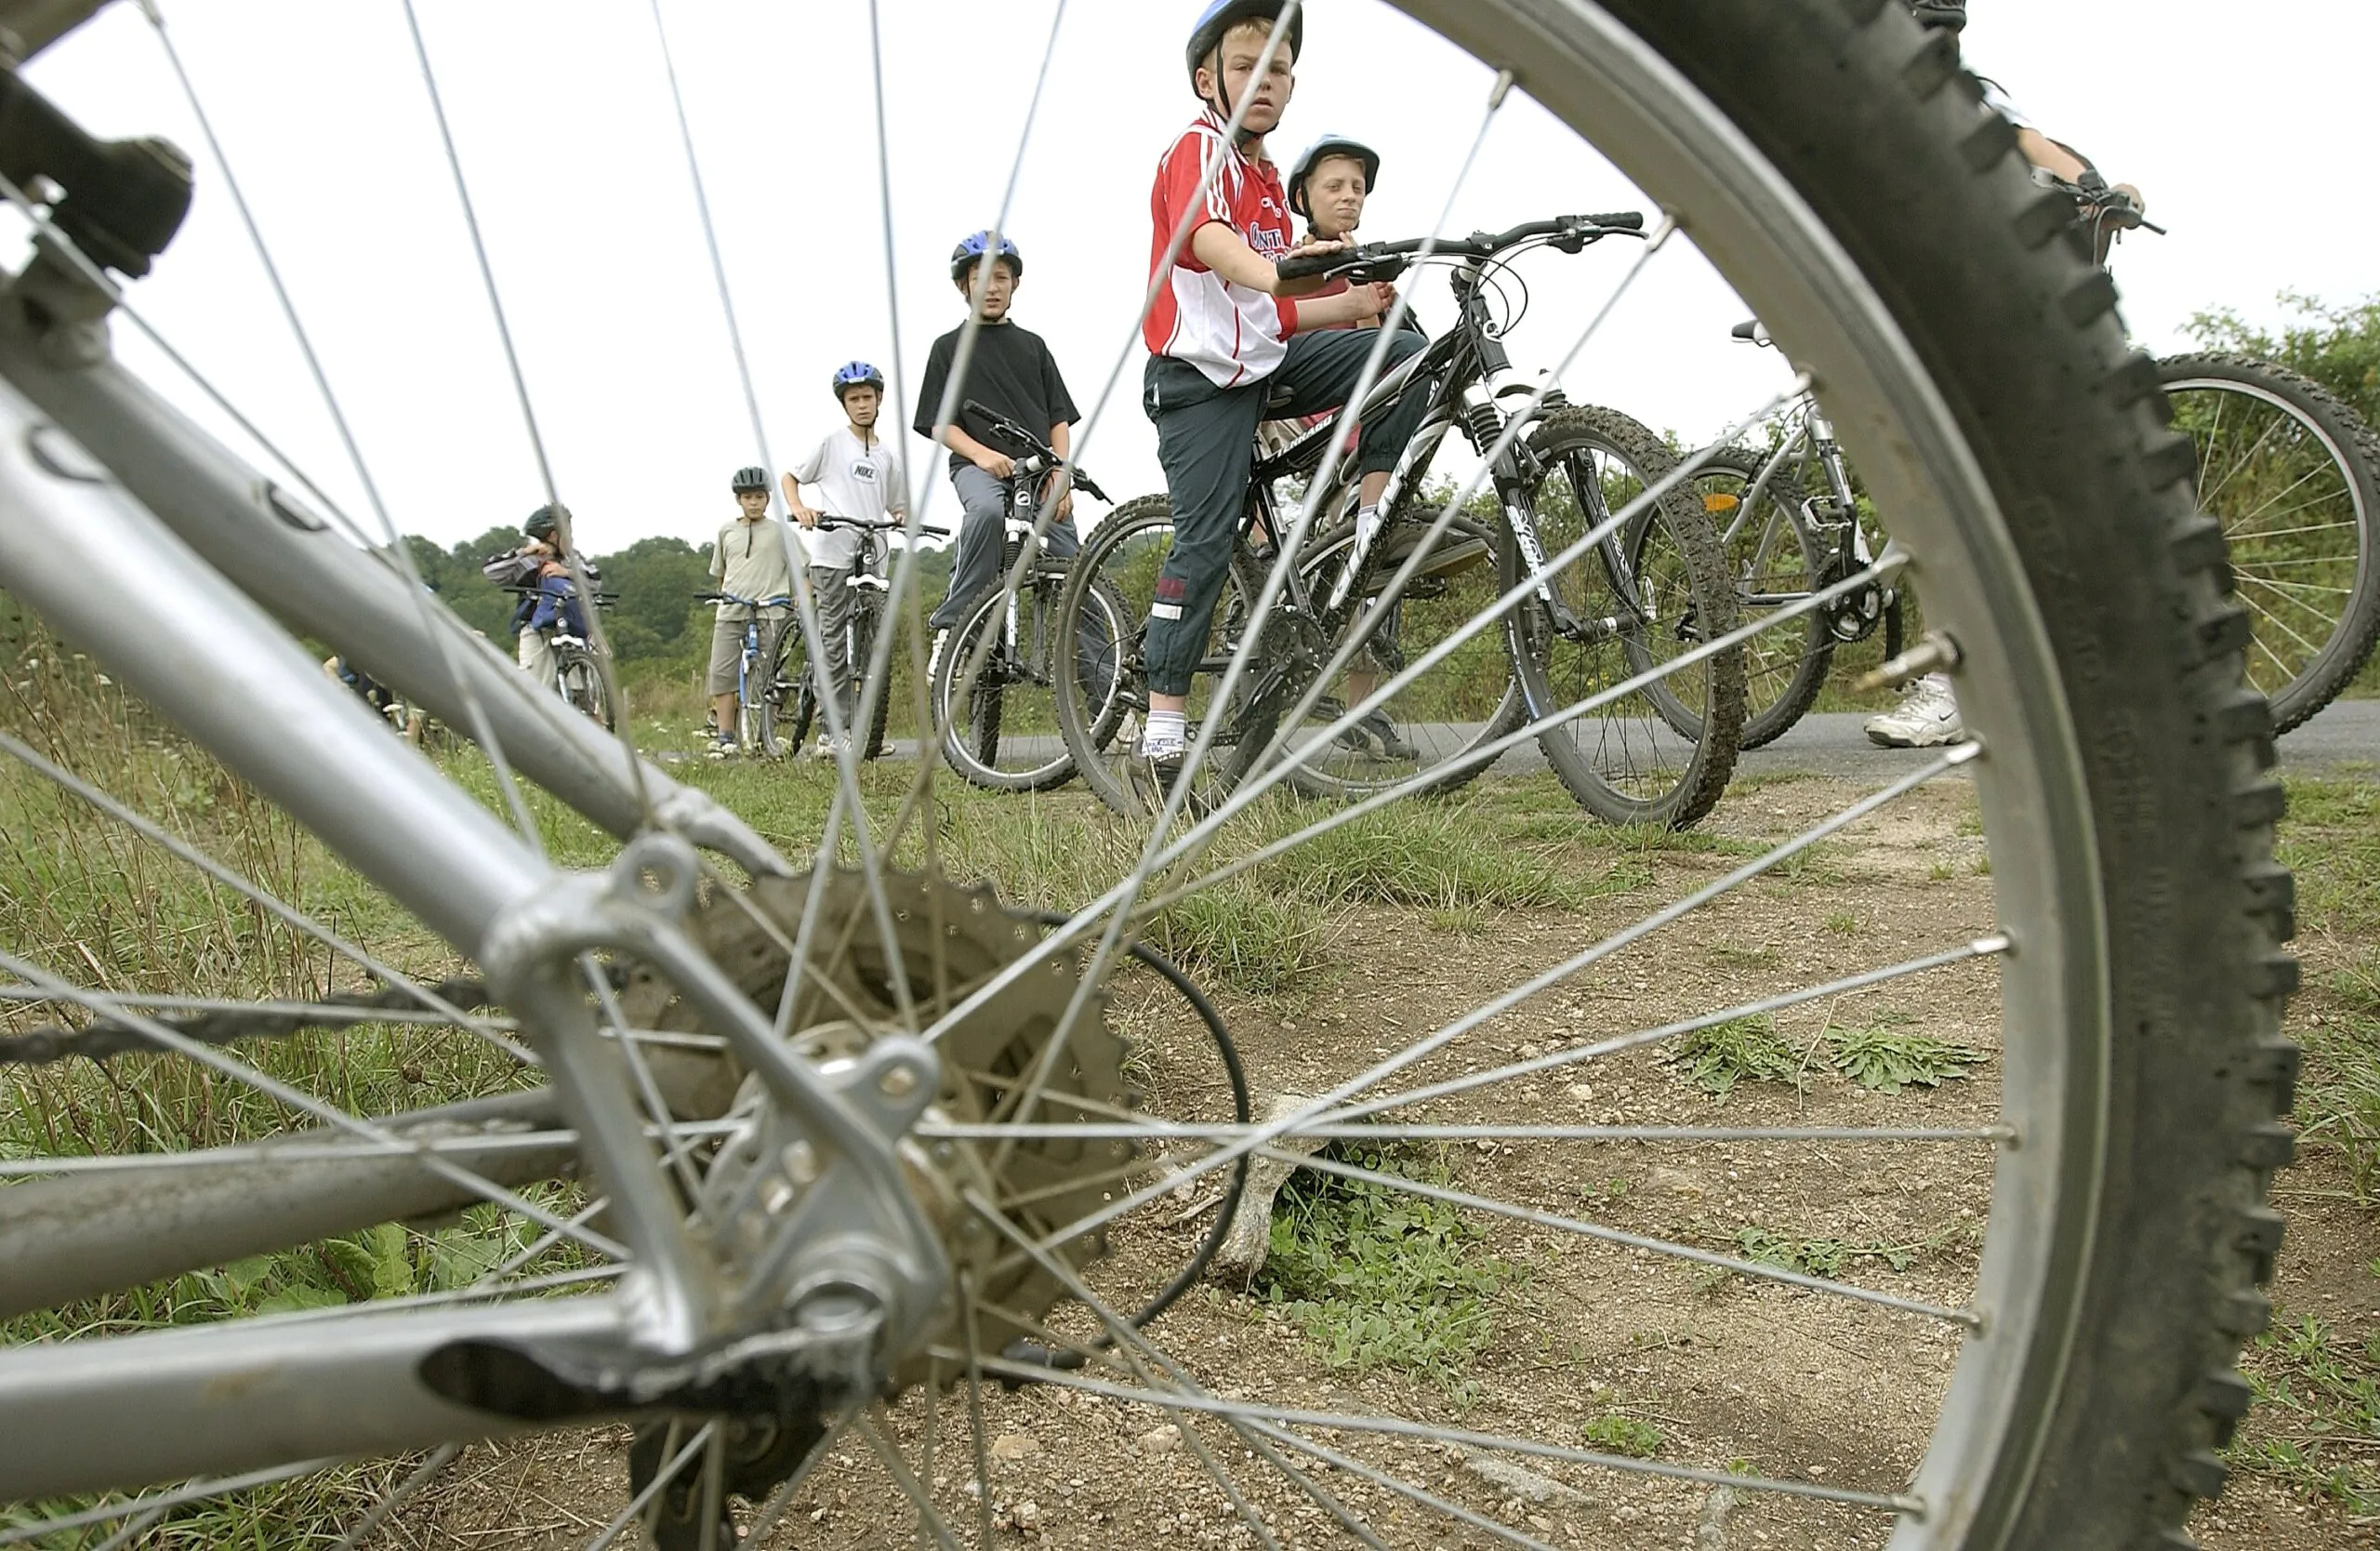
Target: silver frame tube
(318, 583)
(207, 1399)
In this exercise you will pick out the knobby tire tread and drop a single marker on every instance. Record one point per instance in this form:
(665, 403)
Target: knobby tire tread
(1964, 249)
(1713, 762)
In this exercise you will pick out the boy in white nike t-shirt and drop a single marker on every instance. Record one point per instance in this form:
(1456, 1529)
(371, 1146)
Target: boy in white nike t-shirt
(855, 476)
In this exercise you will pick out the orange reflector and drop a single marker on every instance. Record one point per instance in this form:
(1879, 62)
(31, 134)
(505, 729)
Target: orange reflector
(1720, 505)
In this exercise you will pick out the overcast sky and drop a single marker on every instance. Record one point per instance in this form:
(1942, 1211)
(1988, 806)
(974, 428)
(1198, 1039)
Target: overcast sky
(2244, 124)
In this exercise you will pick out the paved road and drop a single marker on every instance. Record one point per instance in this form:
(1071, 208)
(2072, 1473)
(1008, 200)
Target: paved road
(1832, 744)
(2347, 732)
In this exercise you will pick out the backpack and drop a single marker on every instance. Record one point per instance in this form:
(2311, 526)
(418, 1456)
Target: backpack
(512, 570)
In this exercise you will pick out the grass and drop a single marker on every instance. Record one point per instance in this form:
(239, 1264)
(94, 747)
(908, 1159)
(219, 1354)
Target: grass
(1820, 1255)
(1741, 1049)
(2316, 1423)
(2318, 1411)
(1375, 1276)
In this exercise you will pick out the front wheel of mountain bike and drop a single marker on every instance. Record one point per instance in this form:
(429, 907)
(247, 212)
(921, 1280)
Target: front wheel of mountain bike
(1003, 732)
(1427, 737)
(787, 699)
(2293, 476)
(1099, 722)
(1619, 639)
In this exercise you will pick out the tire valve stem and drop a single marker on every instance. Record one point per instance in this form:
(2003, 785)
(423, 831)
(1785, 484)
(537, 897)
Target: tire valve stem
(1934, 654)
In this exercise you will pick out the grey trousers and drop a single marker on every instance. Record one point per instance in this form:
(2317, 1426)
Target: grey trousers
(838, 601)
(983, 536)
(1206, 439)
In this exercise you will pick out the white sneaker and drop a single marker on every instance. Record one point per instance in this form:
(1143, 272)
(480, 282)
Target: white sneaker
(1927, 717)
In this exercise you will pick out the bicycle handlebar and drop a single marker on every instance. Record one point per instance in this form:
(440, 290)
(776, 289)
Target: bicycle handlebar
(1002, 425)
(1385, 261)
(868, 525)
(743, 603)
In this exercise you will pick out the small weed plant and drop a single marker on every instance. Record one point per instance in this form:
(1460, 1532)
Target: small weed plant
(1616, 1432)
(1888, 1058)
(1376, 1277)
(1741, 1049)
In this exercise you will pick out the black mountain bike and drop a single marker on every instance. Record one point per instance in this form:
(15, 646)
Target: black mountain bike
(1607, 585)
(996, 677)
(793, 688)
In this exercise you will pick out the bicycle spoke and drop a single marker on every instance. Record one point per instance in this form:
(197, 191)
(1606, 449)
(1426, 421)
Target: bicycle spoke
(159, 1502)
(289, 914)
(677, 1459)
(1966, 1317)
(1446, 1034)
(328, 1114)
(1435, 1434)
(390, 542)
(377, 1515)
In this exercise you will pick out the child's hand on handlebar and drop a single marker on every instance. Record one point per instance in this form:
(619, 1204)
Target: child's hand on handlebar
(804, 515)
(997, 464)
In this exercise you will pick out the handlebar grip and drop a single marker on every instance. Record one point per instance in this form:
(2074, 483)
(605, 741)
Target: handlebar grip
(1312, 266)
(1623, 220)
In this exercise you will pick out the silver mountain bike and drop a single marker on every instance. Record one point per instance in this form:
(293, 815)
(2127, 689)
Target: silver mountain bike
(451, 1175)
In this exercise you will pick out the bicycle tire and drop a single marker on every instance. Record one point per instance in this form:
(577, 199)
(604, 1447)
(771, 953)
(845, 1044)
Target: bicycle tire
(1670, 788)
(1454, 763)
(864, 623)
(2117, 1440)
(790, 703)
(2285, 615)
(1101, 747)
(1781, 683)
(973, 744)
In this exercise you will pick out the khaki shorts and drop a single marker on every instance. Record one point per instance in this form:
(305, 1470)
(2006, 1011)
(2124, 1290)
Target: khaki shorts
(727, 653)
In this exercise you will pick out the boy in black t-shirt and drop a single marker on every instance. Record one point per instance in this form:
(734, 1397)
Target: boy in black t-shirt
(1012, 371)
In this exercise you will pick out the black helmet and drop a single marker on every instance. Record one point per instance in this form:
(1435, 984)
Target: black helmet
(970, 253)
(750, 478)
(1329, 145)
(859, 374)
(1949, 16)
(1223, 15)
(545, 520)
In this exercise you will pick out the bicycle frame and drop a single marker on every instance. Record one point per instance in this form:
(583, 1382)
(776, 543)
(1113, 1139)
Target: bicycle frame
(218, 541)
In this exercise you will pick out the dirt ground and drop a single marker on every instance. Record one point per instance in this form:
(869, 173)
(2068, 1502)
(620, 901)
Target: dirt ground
(1795, 1385)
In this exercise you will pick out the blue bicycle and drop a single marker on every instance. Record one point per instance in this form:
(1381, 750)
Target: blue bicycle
(761, 696)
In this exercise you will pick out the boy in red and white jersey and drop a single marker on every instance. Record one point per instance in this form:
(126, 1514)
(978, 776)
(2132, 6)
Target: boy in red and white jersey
(1228, 339)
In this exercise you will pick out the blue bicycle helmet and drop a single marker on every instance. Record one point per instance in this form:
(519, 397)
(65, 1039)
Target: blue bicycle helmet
(1223, 15)
(859, 374)
(966, 255)
(1329, 145)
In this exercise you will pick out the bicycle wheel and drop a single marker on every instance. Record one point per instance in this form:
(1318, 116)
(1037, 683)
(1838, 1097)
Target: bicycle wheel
(915, 1151)
(790, 704)
(1100, 725)
(2293, 476)
(1771, 554)
(1625, 758)
(582, 685)
(1431, 731)
(1003, 730)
